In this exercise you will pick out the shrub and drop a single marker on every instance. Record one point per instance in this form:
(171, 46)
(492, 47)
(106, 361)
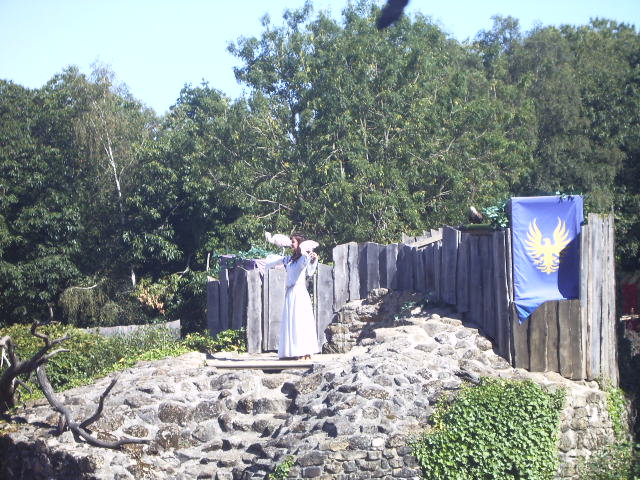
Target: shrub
(91, 355)
(620, 461)
(225, 341)
(497, 430)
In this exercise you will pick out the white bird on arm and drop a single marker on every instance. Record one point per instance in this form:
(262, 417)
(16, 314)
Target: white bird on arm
(308, 245)
(278, 239)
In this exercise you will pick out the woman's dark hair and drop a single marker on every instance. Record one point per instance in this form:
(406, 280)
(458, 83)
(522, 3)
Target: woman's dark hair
(297, 254)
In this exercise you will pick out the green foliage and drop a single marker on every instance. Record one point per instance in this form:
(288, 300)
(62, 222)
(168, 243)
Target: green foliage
(91, 355)
(497, 215)
(346, 133)
(225, 341)
(619, 461)
(616, 405)
(499, 429)
(282, 469)
(189, 301)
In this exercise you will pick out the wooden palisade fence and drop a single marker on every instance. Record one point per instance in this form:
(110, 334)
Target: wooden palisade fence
(468, 270)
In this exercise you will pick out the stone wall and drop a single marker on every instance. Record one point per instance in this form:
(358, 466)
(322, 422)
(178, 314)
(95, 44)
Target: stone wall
(346, 419)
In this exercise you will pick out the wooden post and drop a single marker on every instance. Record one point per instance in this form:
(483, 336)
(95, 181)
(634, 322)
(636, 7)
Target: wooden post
(585, 341)
(595, 288)
(340, 276)
(354, 272)
(323, 300)
(501, 293)
(224, 299)
(239, 296)
(449, 265)
(475, 281)
(213, 307)
(462, 274)
(613, 355)
(537, 334)
(254, 311)
(276, 289)
(488, 296)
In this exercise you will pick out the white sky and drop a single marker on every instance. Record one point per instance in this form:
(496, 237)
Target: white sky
(156, 47)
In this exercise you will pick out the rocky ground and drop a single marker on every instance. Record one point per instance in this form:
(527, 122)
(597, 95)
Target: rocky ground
(348, 418)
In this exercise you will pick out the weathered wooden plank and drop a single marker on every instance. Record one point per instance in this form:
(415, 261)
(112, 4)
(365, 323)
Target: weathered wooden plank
(265, 310)
(324, 301)
(475, 281)
(576, 326)
(239, 296)
(405, 268)
(462, 274)
(419, 276)
(277, 287)
(428, 257)
(254, 311)
(613, 354)
(500, 289)
(449, 265)
(213, 307)
(538, 338)
(369, 267)
(595, 308)
(584, 302)
(340, 276)
(388, 258)
(552, 336)
(354, 271)
(437, 271)
(488, 296)
(426, 240)
(520, 340)
(509, 271)
(570, 353)
(605, 340)
(225, 313)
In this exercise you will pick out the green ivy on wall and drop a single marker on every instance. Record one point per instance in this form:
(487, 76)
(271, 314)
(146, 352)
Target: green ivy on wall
(497, 430)
(281, 471)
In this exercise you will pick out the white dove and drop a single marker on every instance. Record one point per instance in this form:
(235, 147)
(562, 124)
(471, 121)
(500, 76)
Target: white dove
(278, 239)
(308, 245)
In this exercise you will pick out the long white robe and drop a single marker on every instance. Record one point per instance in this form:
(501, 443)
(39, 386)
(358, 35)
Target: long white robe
(298, 334)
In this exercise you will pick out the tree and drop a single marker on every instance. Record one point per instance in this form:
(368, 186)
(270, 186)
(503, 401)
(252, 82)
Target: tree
(39, 218)
(386, 132)
(110, 131)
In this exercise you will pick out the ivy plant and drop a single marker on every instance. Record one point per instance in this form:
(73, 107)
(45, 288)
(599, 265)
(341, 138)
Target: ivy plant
(499, 430)
(282, 469)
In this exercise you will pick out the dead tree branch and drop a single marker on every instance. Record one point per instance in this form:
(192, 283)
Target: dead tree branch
(9, 380)
(78, 429)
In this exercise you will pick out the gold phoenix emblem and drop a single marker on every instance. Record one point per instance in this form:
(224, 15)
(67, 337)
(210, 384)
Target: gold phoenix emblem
(544, 253)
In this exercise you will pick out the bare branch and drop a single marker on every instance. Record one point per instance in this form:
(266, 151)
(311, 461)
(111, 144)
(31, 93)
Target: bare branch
(76, 428)
(46, 357)
(98, 411)
(9, 379)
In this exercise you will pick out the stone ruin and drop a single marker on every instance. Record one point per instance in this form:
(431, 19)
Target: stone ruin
(347, 418)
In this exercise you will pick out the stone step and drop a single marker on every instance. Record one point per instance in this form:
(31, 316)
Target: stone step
(264, 361)
(265, 365)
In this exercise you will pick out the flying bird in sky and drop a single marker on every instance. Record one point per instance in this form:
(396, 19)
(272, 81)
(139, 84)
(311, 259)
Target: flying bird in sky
(391, 12)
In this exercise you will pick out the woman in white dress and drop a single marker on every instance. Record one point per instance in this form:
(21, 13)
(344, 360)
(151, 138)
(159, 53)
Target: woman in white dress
(298, 337)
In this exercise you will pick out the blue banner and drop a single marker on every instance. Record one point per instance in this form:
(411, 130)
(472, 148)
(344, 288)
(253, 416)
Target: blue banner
(546, 250)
